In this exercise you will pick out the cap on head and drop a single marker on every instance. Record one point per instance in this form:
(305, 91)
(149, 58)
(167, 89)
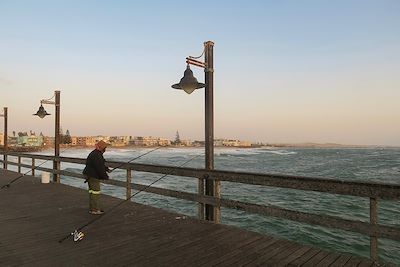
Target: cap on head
(101, 145)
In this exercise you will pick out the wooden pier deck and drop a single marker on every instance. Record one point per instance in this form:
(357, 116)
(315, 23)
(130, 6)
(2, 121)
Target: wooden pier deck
(34, 216)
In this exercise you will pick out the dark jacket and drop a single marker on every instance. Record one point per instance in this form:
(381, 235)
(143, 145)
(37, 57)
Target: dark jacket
(95, 166)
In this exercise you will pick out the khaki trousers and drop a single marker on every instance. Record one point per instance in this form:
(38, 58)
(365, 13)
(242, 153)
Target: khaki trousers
(94, 193)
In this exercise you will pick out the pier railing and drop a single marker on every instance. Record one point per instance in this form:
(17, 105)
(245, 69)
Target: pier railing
(375, 192)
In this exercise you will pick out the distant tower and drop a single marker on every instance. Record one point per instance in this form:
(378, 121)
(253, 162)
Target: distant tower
(177, 139)
(67, 137)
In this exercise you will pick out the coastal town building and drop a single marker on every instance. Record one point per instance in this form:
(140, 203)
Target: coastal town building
(150, 141)
(48, 141)
(231, 143)
(101, 138)
(197, 143)
(91, 140)
(32, 140)
(12, 141)
(80, 140)
(83, 140)
(74, 140)
(119, 140)
(218, 142)
(235, 143)
(186, 142)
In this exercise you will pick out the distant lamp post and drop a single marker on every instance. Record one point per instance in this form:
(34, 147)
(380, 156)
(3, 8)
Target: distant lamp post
(5, 115)
(189, 83)
(41, 113)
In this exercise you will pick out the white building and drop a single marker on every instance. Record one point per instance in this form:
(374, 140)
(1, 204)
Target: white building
(150, 141)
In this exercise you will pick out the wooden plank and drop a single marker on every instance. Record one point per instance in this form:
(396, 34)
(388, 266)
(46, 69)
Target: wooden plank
(316, 259)
(281, 256)
(354, 261)
(295, 255)
(329, 260)
(305, 257)
(232, 254)
(341, 261)
(365, 263)
(180, 242)
(278, 247)
(247, 253)
(225, 241)
(187, 250)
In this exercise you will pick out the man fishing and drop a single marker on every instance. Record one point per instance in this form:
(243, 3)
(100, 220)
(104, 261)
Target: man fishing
(96, 170)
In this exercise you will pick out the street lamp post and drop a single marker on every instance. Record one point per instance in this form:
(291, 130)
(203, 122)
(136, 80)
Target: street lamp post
(189, 83)
(41, 113)
(5, 115)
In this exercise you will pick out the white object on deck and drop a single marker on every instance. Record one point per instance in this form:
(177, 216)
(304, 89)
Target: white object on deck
(45, 177)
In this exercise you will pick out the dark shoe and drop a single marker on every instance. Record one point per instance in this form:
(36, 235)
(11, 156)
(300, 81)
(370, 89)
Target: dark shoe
(96, 212)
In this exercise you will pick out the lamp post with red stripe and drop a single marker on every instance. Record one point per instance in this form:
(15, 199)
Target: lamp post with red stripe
(189, 83)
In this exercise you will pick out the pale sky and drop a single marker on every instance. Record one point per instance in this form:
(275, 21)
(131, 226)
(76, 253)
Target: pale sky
(285, 71)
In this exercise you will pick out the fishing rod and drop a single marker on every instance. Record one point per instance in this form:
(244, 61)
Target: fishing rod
(124, 163)
(148, 152)
(78, 234)
(22, 175)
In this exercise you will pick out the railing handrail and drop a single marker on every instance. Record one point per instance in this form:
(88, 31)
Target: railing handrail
(325, 185)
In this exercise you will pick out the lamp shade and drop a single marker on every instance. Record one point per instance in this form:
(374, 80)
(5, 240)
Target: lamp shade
(188, 83)
(41, 112)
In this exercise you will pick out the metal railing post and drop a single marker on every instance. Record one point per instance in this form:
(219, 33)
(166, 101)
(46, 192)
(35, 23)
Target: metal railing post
(200, 189)
(128, 183)
(373, 207)
(217, 208)
(19, 164)
(33, 166)
(58, 168)
(5, 158)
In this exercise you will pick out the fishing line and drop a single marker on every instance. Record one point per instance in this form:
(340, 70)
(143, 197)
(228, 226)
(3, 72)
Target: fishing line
(22, 175)
(78, 235)
(119, 166)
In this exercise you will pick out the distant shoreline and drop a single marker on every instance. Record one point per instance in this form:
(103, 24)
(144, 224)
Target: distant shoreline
(266, 146)
(326, 145)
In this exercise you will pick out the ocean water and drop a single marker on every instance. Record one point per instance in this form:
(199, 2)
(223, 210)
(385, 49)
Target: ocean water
(380, 165)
